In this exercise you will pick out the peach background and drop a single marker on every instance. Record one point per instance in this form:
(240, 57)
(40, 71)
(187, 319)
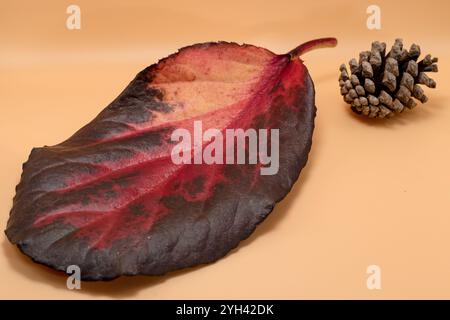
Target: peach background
(373, 192)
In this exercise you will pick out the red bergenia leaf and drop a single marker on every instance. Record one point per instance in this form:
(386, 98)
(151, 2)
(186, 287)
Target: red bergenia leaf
(111, 200)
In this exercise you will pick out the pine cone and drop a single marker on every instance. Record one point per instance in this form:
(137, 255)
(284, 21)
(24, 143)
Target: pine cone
(381, 84)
